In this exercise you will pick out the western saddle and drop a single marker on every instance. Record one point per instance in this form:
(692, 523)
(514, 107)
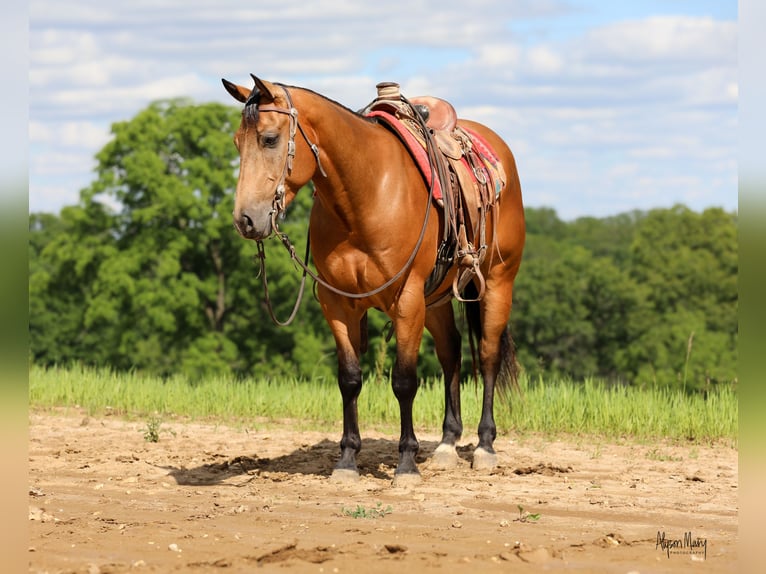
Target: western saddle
(468, 179)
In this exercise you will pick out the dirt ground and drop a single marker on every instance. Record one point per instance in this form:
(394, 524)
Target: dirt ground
(208, 498)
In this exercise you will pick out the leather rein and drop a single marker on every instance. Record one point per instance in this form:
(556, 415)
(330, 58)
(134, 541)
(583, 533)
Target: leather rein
(278, 208)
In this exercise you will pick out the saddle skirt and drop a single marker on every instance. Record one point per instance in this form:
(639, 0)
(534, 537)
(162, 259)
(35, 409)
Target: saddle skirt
(464, 173)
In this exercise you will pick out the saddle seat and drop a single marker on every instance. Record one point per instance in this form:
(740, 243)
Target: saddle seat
(439, 114)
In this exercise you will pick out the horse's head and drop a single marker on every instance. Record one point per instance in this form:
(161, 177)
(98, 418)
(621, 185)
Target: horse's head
(266, 143)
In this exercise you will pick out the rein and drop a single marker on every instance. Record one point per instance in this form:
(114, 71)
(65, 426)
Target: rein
(278, 207)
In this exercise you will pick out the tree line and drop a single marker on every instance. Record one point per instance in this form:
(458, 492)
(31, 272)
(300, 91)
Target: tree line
(146, 272)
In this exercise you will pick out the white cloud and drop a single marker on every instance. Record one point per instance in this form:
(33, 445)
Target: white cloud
(667, 40)
(585, 113)
(50, 198)
(84, 134)
(62, 163)
(545, 61)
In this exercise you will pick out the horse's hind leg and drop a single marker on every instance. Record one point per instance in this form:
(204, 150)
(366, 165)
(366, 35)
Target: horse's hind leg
(495, 354)
(440, 322)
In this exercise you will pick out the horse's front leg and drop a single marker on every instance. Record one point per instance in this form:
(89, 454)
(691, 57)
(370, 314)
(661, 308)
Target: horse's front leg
(346, 329)
(408, 323)
(350, 384)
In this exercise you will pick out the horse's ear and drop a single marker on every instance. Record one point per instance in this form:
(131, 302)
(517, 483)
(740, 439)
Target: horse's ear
(263, 89)
(239, 93)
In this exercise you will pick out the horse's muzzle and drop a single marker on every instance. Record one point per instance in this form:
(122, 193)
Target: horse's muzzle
(251, 225)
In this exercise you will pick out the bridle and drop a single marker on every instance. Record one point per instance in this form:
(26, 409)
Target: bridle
(278, 207)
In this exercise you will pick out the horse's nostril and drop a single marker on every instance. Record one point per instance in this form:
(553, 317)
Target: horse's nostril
(248, 223)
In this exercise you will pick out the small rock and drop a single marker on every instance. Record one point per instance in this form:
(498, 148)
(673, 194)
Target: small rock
(38, 514)
(457, 524)
(174, 547)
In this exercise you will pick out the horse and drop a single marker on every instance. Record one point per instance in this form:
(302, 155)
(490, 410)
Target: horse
(374, 231)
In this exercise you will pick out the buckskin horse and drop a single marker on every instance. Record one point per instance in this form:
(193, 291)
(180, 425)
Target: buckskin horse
(374, 232)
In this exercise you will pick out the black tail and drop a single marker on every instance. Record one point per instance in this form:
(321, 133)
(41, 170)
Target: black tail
(508, 375)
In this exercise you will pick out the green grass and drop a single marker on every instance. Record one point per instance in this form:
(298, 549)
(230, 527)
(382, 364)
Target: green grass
(549, 407)
(370, 513)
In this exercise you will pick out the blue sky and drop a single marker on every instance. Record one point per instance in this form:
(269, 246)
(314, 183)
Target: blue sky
(608, 106)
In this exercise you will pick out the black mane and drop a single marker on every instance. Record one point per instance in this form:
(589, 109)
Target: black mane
(250, 111)
(337, 104)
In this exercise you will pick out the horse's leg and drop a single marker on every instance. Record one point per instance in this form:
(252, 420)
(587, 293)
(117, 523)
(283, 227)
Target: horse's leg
(346, 330)
(494, 349)
(409, 321)
(440, 322)
(350, 384)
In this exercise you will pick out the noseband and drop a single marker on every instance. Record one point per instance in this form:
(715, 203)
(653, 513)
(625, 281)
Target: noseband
(278, 205)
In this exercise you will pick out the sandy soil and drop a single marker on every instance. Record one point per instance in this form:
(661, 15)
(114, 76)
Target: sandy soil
(210, 498)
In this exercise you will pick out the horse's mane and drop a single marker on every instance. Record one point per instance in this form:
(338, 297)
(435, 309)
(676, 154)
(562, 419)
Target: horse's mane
(333, 102)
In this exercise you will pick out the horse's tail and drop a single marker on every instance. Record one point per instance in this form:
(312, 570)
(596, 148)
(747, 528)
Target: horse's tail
(508, 374)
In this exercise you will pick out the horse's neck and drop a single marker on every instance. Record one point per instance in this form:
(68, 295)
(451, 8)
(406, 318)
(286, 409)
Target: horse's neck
(368, 205)
(358, 153)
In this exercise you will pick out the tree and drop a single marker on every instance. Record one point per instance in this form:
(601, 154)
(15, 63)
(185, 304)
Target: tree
(688, 262)
(572, 311)
(609, 237)
(146, 270)
(646, 298)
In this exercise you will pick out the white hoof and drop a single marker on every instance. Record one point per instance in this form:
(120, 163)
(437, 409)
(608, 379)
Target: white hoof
(483, 459)
(445, 457)
(344, 475)
(406, 480)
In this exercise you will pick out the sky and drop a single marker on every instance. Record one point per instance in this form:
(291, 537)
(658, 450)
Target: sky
(608, 106)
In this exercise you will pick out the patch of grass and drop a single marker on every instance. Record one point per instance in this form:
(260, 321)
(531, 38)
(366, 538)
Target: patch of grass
(550, 407)
(527, 516)
(371, 513)
(153, 429)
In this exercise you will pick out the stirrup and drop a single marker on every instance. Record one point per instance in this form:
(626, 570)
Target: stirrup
(465, 276)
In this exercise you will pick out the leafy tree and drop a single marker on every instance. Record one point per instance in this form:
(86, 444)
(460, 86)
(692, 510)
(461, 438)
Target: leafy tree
(146, 271)
(688, 262)
(544, 222)
(648, 298)
(606, 237)
(572, 311)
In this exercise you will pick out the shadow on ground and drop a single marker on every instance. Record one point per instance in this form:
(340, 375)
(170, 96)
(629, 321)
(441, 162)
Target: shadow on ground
(377, 458)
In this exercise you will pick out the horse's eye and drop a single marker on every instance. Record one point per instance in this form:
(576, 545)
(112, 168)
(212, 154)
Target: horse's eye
(270, 140)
